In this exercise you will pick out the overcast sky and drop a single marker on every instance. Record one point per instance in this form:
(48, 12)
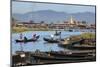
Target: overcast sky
(24, 7)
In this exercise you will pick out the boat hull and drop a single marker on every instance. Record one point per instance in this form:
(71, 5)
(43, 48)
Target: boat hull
(63, 58)
(60, 54)
(52, 41)
(28, 40)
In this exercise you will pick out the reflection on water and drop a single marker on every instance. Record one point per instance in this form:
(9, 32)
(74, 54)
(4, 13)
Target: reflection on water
(40, 44)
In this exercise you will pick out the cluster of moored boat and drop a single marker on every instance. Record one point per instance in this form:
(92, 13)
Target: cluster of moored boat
(54, 57)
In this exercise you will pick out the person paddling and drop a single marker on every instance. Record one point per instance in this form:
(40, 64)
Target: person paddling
(34, 35)
(25, 38)
(21, 37)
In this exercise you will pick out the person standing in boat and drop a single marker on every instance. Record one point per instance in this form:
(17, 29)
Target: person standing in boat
(52, 36)
(21, 35)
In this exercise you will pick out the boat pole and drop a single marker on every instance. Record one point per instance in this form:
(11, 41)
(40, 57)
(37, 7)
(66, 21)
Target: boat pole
(21, 36)
(60, 35)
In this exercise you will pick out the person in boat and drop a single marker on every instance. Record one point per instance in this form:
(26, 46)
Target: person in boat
(25, 38)
(21, 35)
(57, 33)
(34, 36)
(52, 36)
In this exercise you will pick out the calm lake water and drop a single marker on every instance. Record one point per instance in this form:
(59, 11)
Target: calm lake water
(40, 44)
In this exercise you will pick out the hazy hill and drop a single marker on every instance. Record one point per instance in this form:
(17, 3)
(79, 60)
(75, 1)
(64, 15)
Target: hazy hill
(53, 16)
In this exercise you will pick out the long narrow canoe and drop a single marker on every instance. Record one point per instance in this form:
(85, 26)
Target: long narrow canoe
(28, 40)
(52, 40)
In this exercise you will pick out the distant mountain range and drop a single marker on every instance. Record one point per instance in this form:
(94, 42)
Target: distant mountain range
(53, 16)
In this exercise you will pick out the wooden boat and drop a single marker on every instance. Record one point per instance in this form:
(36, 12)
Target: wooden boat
(69, 42)
(70, 30)
(28, 40)
(50, 40)
(45, 56)
(83, 47)
(71, 53)
(57, 33)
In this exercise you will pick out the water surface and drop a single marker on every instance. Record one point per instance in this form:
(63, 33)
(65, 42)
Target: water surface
(40, 44)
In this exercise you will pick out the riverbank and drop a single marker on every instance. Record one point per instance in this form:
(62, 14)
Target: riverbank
(88, 35)
(23, 29)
